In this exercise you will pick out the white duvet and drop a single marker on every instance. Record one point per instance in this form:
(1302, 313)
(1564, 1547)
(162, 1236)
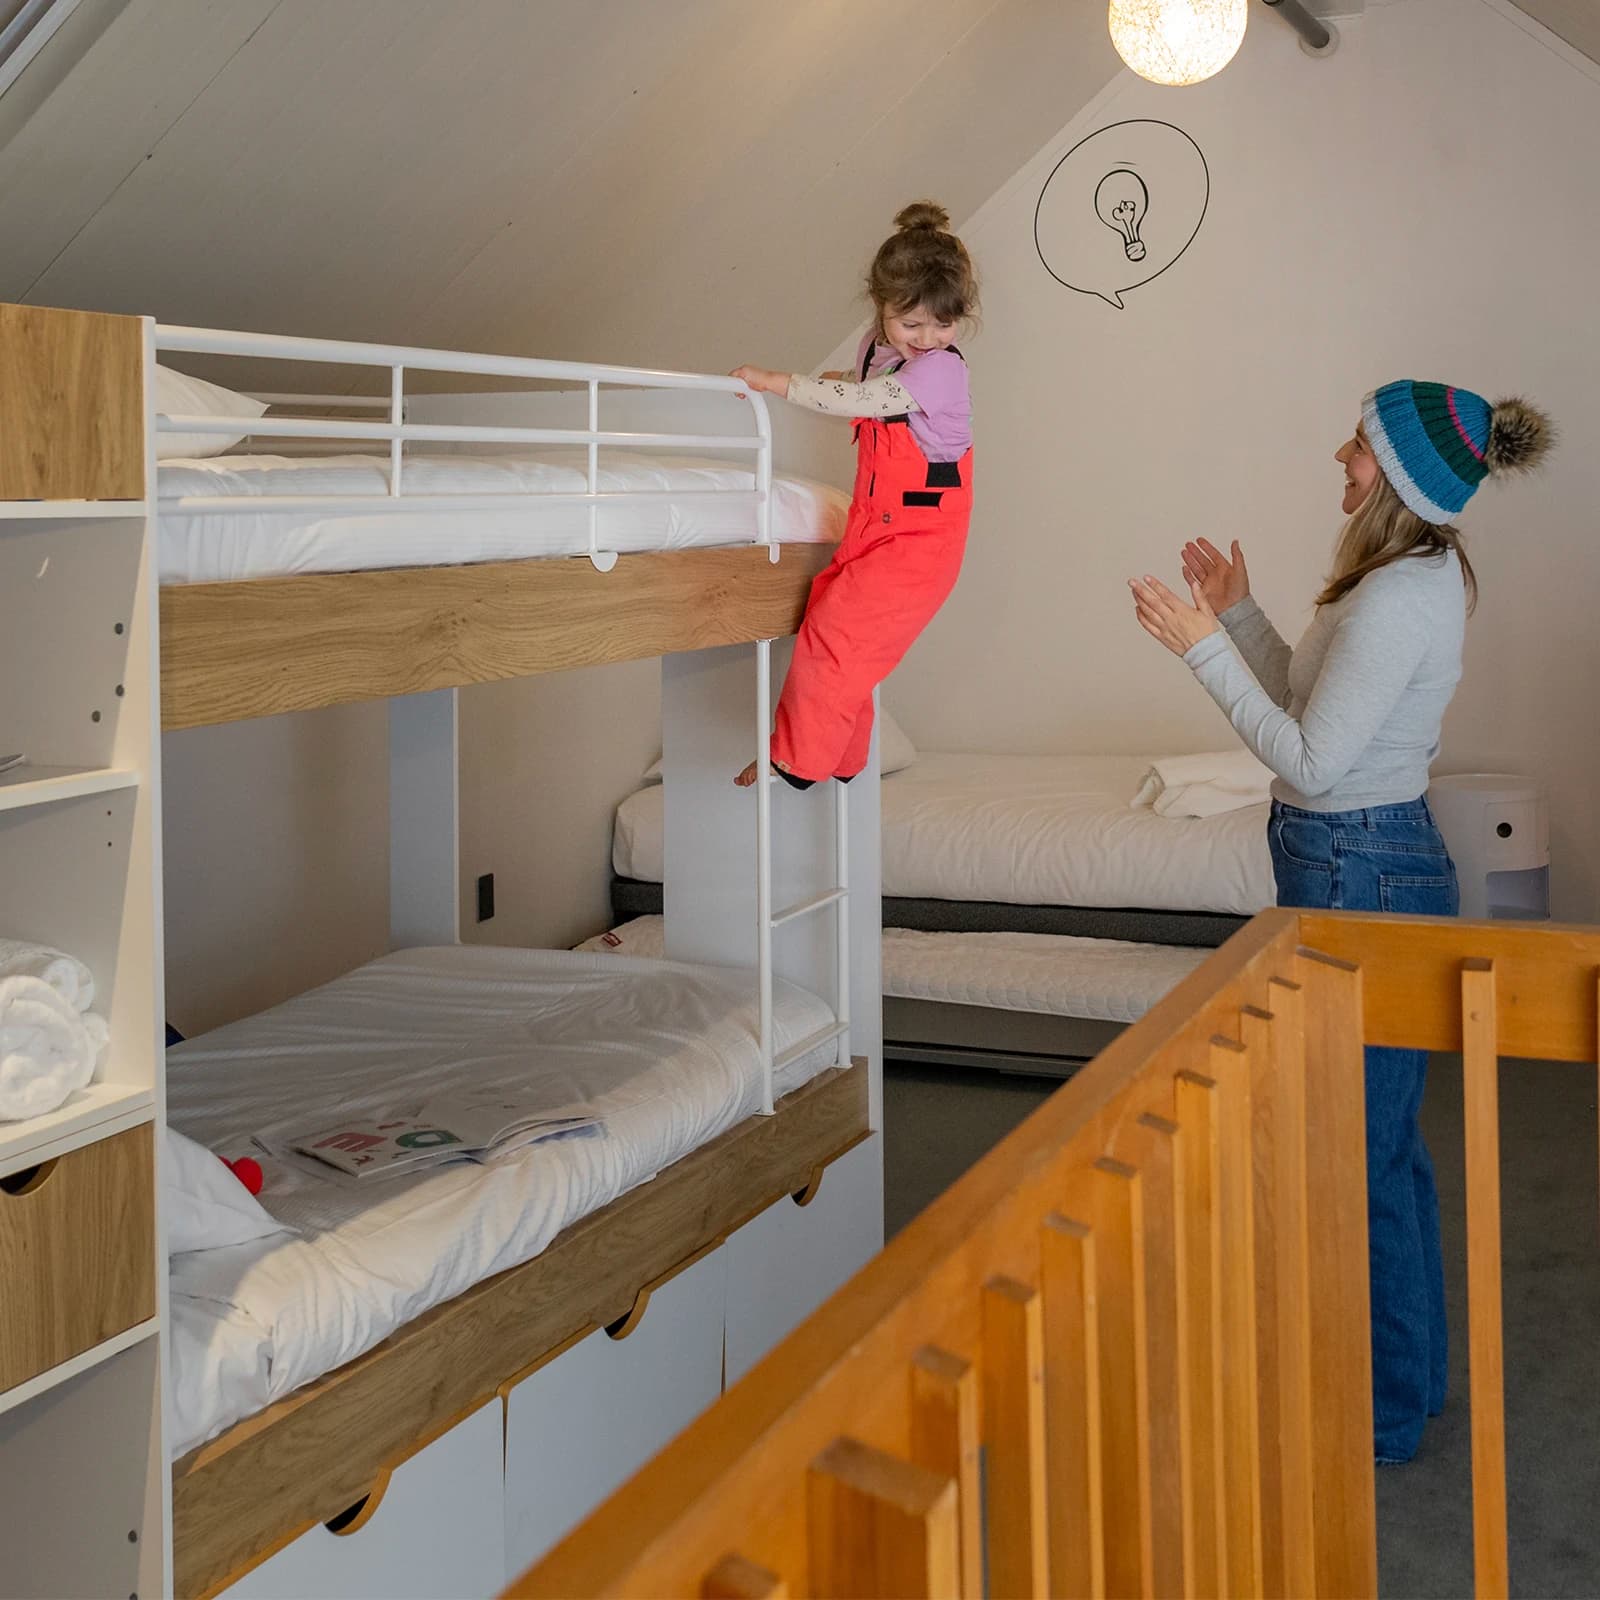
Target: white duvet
(664, 1053)
(255, 541)
(1031, 830)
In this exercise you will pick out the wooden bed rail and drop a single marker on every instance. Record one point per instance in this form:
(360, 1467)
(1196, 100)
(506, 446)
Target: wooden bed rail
(1145, 1313)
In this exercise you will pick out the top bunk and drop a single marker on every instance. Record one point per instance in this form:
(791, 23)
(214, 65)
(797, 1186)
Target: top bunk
(320, 548)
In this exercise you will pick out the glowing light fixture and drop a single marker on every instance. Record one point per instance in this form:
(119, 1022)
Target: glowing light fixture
(1178, 41)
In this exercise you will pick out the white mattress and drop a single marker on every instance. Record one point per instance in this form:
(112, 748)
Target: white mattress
(257, 542)
(664, 1053)
(1031, 830)
(1105, 980)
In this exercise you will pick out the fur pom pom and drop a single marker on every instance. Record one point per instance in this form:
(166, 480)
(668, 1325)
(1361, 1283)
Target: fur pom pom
(1520, 436)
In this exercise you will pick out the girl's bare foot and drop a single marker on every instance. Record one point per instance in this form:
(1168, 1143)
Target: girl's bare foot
(747, 777)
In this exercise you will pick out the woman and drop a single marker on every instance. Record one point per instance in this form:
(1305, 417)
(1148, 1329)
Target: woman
(1349, 722)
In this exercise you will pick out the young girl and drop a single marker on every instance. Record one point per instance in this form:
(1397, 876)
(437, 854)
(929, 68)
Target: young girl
(903, 544)
(1349, 721)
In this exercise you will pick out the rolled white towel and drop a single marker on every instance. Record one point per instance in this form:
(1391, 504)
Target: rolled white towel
(1203, 785)
(46, 1049)
(67, 975)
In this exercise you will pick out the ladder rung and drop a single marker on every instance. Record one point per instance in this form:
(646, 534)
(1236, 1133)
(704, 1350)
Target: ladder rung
(815, 1041)
(803, 908)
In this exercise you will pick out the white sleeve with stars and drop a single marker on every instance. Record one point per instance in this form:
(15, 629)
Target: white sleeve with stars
(877, 397)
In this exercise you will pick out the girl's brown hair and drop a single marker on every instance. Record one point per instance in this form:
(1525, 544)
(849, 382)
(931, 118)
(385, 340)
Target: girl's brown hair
(923, 264)
(1384, 530)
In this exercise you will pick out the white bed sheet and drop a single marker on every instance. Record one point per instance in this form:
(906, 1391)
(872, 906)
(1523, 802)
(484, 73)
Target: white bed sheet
(665, 1053)
(255, 541)
(1031, 830)
(1104, 980)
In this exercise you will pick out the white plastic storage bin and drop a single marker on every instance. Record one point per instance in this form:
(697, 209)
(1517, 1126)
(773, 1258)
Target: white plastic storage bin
(584, 1423)
(435, 1530)
(1497, 826)
(784, 1263)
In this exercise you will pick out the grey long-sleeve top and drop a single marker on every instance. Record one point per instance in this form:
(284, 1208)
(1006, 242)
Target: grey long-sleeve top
(1349, 717)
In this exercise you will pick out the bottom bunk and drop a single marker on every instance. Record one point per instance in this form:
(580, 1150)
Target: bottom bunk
(313, 1365)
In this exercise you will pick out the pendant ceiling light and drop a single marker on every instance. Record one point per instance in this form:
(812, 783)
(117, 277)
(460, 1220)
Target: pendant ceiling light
(1177, 41)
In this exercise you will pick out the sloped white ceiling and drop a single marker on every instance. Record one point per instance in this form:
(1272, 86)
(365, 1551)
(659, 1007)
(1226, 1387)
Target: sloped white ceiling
(1576, 21)
(661, 182)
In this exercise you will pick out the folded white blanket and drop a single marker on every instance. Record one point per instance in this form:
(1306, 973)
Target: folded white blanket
(1203, 785)
(65, 974)
(47, 1048)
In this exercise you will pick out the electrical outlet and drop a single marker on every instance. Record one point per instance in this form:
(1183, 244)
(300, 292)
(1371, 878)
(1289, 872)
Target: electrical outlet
(485, 897)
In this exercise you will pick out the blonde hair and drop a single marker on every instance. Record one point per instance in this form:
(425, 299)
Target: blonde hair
(923, 264)
(1385, 530)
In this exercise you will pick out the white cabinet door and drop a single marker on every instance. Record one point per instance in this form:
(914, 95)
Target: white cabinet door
(436, 1533)
(582, 1425)
(784, 1263)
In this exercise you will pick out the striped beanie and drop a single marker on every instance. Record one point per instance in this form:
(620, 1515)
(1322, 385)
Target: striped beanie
(1432, 442)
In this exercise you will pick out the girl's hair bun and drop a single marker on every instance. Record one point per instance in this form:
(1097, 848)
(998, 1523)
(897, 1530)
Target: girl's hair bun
(1520, 436)
(923, 214)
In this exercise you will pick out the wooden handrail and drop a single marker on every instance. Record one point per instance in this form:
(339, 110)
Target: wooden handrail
(1147, 1308)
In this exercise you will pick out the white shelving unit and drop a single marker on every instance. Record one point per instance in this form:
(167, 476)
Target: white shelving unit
(82, 1345)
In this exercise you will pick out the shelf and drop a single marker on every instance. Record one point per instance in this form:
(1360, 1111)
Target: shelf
(29, 785)
(80, 1363)
(89, 1114)
(68, 510)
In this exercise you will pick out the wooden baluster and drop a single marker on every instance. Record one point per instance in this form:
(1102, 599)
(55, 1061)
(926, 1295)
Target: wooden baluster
(1124, 1391)
(1241, 1440)
(1480, 1059)
(1072, 1403)
(878, 1526)
(1013, 1429)
(945, 1440)
(734, 1578)
(1344, 1490)
(1198, 1113)
(1153, 1146)
(1255, 1033)
(1276, 1039)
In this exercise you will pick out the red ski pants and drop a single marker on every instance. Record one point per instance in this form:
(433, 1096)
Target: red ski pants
(894, 568)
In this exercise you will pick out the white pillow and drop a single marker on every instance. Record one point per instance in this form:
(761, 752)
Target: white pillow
(895, 750)
(179, 395)
(206, 1206)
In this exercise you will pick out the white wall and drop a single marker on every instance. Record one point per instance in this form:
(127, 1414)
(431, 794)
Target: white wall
(1422, 205)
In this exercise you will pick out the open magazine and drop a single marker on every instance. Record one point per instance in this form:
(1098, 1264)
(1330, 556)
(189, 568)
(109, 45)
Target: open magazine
(390, 1144)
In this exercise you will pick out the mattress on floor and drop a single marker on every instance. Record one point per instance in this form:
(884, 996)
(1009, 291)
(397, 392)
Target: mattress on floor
(665, 1053)
(1103, 980)
(256, 541)
(1031, 830)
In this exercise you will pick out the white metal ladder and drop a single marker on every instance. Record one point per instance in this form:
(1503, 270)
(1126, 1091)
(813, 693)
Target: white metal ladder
(768, 921)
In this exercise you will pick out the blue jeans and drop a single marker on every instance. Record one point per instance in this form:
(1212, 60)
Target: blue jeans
(1386, 858)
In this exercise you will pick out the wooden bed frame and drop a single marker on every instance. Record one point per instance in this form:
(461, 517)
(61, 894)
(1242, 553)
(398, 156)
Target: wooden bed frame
(230, 651)
(309, 1457)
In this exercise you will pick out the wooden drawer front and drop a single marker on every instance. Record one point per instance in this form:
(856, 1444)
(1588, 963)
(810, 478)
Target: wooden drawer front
(783, 1264)
(77, 1253)
(584, 1423)
(434, 1530)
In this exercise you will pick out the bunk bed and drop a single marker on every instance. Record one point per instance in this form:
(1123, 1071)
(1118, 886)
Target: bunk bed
(291, 1425)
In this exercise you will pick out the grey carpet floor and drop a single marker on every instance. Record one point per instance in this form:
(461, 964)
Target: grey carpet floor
(938, 1122)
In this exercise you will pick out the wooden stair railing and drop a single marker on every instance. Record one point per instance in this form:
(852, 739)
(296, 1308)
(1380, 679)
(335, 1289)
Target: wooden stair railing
(1127, 1354)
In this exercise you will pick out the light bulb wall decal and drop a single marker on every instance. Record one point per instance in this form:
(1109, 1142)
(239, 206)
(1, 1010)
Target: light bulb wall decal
(1121, 202)
(1177, 42)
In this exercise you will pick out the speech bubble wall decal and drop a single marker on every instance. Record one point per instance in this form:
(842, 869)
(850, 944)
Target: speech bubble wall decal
(1121, 207)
